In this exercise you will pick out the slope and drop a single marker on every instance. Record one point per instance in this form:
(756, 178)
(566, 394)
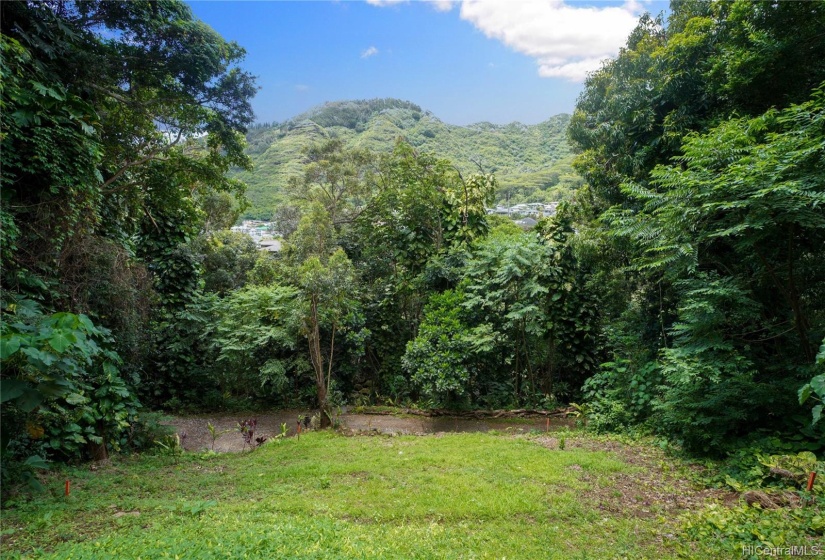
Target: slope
(531, 162)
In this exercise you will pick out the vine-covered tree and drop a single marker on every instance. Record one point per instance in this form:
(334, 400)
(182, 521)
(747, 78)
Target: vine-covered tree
(119, 119)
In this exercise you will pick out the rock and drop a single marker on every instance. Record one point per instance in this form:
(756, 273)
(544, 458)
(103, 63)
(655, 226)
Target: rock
(122, 513)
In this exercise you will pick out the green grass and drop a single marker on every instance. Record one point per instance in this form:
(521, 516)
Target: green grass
(328, 496)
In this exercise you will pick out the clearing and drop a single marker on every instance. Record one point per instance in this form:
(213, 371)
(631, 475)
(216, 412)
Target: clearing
(324, 495)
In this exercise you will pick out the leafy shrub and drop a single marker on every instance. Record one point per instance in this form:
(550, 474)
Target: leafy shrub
(62, 379)
(720, 531)
(62, 393)
(145, 430)
(436, 359)
(776, 477)
(815, 389)
(620, 394)
(255, 334)
(712, 390)
(20, 460)
(180, 374)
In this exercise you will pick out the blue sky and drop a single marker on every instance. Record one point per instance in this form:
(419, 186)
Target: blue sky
(466, 61)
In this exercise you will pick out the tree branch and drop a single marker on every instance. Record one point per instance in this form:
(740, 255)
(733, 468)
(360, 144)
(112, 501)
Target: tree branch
(152, 154)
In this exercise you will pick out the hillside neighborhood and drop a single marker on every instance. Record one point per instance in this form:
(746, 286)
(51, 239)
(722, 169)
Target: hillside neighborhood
(526, 216)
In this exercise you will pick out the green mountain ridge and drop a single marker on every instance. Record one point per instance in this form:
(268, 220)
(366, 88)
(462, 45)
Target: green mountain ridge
(531, 162)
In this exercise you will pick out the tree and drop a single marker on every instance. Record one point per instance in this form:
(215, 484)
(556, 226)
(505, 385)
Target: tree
(137, 102)
(228, 258)
(315, 236)
(221, 211)
(704, 195)
(617, 123)
(740, 214)
(255, 336)
(526, 291)
(119, 119)
(408, 243)
(328, 304)
(517, 329)
(440, 359)
(336, 178)
(466, 208)
(749, 188)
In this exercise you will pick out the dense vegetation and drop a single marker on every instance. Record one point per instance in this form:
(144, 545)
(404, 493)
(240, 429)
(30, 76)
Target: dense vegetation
(681, 291)
(702, 147)
(531, 163)
(120, 122)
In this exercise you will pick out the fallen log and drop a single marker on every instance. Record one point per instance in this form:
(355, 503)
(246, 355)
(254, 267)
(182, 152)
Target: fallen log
(773, 500)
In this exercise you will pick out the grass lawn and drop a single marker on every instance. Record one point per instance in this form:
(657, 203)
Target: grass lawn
(328, 496)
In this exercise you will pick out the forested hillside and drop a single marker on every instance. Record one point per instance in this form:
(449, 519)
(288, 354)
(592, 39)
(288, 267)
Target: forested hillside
(531, 163)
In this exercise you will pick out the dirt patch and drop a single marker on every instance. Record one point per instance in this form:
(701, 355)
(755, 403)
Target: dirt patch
(660, 486)
(229, 439)
(422, 425)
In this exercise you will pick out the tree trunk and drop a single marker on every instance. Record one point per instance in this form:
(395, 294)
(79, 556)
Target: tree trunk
(518, 376)
(326, 409)
(551, 366)
(98, 451)
(314, 339)
(793, 299)
(800, 321)
(527, 358)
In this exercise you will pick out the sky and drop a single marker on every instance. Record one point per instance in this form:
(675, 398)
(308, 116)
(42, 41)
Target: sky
(467, 61)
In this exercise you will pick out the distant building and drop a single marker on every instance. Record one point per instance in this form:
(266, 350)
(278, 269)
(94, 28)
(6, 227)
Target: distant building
(262, 233)
(526, 223)
(270, 245)
(536, 209)
(256, 229)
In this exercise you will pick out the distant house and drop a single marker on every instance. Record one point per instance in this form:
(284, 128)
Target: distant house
(499, 211)
(526, 223)
(537, 209)
(256, 229)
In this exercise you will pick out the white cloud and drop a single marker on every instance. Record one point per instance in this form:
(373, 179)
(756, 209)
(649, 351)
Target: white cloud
(566, 41)
(372, 51)
(301, 88)
(442, 5)
(439, 5)
(382, 3)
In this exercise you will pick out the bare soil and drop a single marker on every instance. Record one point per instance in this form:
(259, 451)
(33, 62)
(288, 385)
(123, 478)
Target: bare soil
(195, 436)
(660, 487)
(198, 438)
